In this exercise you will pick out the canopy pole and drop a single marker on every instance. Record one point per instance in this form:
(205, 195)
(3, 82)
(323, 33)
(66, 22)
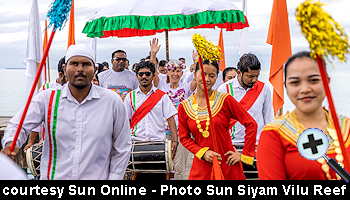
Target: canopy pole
(167, 45)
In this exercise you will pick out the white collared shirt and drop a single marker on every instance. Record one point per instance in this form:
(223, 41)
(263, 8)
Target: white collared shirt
(261, 110)
(153, 126)
(92, 137)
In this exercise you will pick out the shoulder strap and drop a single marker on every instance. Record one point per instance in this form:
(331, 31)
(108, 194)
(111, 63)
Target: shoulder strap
(146, 107)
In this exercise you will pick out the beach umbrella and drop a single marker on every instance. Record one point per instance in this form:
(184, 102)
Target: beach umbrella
(148, 17)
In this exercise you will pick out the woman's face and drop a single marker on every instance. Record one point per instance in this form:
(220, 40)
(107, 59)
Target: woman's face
(175, 75)
(210, 73)
(304, 85)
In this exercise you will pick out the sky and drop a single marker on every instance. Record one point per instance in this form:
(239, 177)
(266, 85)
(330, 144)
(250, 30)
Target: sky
(14, 27)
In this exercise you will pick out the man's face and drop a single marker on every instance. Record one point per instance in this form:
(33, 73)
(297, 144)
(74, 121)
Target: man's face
(79, 71)
(230, 75)
(119, 61)
(145, 77)
(249, 78)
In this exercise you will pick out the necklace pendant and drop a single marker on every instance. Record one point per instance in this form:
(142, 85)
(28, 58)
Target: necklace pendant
(205, 133)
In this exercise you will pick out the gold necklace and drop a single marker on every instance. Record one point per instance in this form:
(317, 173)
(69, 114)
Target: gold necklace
(195, 106)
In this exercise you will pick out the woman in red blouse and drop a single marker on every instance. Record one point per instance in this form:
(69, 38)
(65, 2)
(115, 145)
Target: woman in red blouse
(277, 154)
(194, 129)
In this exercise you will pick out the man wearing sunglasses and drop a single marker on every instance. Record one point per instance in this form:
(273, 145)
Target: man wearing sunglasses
(118, 79)
(149, 109)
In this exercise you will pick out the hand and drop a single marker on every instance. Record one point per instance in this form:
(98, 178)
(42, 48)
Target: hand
(28, 146)
(154, 46)
(233, 157)
(208, 156)
(10, 154)
(194, 56)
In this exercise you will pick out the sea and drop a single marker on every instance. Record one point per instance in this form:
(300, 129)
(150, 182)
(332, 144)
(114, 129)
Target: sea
(14, 88)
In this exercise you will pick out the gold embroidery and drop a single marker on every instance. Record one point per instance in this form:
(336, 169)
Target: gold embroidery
(285, 129)
(216, 102)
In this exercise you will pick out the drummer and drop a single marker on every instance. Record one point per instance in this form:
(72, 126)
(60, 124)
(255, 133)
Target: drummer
(87, 135)
(150, 109)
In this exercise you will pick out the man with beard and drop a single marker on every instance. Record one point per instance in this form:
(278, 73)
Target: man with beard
(118, 79)
(253, 95)
(150, 109)
(87, 132)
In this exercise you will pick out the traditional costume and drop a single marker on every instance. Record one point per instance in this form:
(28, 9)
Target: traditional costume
(256, 100)
(86, 140)
(278, 157)
(194, 121)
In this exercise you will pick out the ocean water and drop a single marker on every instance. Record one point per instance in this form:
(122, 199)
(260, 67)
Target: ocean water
(14, 89)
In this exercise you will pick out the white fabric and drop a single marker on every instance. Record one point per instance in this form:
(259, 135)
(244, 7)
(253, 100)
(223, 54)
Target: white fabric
(178, 94)
(9, 170)
(218, 82)
(153, 126)
(34, 46)
(93, 137)
(80, 50)
(168, 7)
(52, 85)
(261, 110)
(120, 82)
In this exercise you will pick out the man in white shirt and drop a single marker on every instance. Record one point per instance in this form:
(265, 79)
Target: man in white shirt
(255, 96)
(87, 131)
(118, 79)
(150, 110)
(150, 126)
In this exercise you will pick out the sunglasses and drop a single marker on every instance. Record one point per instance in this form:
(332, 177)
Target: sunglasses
(118, 59)
(144, 73)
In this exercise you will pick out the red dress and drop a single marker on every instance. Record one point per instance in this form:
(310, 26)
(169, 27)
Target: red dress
(278, 157)
(224, 108)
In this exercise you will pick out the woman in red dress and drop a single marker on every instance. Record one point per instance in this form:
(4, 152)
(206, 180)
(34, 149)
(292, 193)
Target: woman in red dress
(277, 154)
(195, 135)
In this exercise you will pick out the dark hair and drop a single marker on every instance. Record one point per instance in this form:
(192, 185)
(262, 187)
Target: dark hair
(302, 54)
(248, 61)
(105, 64)
(100, 67)
(118, 51)
(228, 69)
(145, 64)
(208, 62)
(182, 59)
(60, 64)
(162, 63)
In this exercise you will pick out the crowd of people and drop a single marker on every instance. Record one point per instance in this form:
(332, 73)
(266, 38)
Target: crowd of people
(89, 119)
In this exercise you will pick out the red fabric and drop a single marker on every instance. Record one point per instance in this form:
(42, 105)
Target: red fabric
(49, 110)
(71, 31)
(278, 159)
(201, 170)
(222, 63)
(146, 107)
(250, 97)
(129, 32)
(279, 38)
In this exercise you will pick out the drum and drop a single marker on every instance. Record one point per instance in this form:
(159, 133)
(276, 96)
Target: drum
(33, 157)
(250, 171)
(151, 157)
